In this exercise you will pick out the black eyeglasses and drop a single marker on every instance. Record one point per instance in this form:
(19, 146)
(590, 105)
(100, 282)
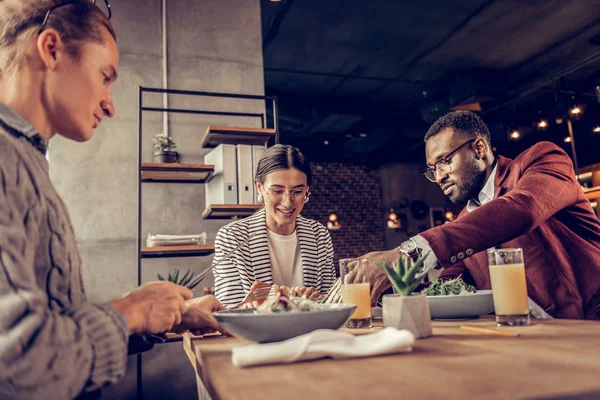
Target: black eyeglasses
(443, 164)
(66, 3)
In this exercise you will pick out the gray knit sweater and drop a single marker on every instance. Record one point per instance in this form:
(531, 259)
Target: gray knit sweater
(53, 344)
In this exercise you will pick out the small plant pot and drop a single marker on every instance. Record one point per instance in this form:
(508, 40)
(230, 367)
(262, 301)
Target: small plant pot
(407, 312)
(167, 157)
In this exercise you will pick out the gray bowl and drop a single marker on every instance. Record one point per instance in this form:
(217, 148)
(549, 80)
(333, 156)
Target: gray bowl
(281, 326)
(463, 306)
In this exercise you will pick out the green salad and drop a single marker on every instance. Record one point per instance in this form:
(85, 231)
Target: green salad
(451, 287)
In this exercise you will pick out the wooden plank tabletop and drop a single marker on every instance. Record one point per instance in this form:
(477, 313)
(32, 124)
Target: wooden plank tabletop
(551, 358)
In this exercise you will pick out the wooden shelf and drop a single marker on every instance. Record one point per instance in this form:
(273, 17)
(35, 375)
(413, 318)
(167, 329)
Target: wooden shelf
(216, 135)
(226, 211)
(589, 168)
(592, 193)
(177, 251)
(189, 173)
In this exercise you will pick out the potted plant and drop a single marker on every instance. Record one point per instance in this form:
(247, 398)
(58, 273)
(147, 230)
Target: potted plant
(403, 310)
(186, 280)
(164, 147)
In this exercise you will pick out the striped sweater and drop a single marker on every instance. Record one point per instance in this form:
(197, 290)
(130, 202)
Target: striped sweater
(235, 275)
(53, 344)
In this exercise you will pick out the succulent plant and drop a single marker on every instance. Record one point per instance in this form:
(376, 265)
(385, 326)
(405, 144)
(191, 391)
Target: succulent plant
(186, 280)
(163, 142)
(405, 276)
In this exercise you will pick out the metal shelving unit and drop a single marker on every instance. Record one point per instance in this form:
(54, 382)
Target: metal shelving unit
(196, 173)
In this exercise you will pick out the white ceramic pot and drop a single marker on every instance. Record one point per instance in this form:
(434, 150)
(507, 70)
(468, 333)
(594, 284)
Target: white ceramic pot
(407, 312)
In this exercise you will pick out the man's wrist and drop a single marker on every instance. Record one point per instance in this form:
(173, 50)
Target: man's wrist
(124, 307)
(410, 248)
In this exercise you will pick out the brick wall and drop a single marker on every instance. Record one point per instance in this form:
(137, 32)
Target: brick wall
(354, 194)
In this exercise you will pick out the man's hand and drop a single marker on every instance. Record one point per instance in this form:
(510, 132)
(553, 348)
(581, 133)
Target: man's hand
(154, 307)
(198, 318)
(376, 277)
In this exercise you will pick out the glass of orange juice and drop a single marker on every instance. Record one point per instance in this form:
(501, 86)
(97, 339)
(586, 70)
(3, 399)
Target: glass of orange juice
(509, 286)
(356, 289)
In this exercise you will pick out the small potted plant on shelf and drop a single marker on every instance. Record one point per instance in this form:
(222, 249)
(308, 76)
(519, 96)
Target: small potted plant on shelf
(164, 147)
(186, 280)
(403, 310)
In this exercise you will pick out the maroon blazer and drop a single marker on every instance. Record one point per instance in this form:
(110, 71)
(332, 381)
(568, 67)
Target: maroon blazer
(539, 206)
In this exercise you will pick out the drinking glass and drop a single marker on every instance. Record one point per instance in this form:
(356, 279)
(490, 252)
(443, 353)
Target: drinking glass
(509, 287)
(356, 289)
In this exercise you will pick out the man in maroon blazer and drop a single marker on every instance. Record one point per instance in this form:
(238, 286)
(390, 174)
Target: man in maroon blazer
(533, 202)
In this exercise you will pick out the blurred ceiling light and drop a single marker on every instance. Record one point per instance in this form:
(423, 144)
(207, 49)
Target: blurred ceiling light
(542, 124)
(515, 134)
(559, 120)
(362, 134)
(449, 216)
(597, 129)
(326, 142)
(576, 110)
(567, 139)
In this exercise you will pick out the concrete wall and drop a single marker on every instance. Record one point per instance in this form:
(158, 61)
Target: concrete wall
(213, 45)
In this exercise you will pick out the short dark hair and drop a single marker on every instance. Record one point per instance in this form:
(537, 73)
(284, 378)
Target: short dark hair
(282, 156)
(465, 122)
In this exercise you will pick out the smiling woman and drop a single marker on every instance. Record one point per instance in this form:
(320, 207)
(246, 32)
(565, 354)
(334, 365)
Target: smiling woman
(283, 247)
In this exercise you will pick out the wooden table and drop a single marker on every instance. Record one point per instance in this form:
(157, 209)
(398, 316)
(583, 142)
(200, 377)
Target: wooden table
(551, 359)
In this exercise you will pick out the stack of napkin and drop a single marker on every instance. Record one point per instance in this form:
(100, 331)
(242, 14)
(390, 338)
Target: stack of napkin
(324, 343)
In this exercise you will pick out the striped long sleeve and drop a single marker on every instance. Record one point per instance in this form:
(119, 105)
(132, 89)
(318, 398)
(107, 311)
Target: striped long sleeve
(251, 262)
(228, 278)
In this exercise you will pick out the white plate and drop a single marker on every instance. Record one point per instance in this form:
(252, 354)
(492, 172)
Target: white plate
(274, 327)
(461, 306)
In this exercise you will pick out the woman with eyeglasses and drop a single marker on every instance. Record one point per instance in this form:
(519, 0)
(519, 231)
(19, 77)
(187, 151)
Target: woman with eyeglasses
(276, 245)
(58, 61)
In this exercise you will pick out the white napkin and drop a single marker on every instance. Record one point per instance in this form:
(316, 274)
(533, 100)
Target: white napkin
(324, 343)
(173, 240)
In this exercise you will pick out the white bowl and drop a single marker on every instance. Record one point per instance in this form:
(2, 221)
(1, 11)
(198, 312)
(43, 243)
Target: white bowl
(461, 306)
(274, 327)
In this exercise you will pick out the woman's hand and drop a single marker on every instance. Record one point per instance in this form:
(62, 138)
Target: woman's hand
(258, 285)
(309, 292)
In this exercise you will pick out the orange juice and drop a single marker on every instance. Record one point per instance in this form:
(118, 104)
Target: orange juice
(359, 294)
(509, 289)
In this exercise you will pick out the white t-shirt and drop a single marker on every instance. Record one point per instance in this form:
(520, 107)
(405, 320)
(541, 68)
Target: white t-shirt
(286, 260)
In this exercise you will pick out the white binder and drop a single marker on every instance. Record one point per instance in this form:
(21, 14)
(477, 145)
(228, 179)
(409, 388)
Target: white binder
(257, 152)
(222, 187)
(245, 174)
